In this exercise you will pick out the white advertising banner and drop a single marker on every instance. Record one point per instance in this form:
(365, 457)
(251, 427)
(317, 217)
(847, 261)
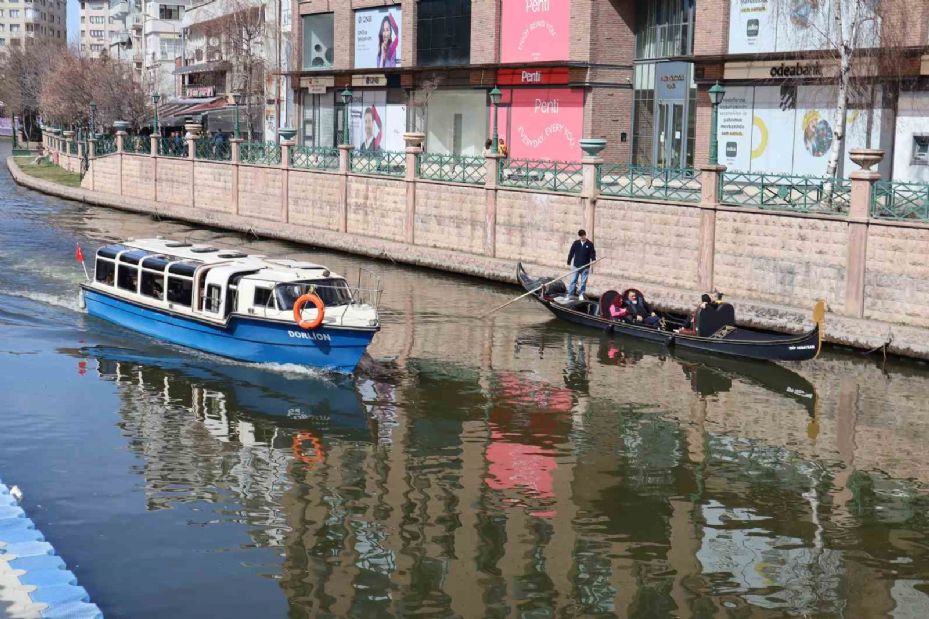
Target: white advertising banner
(376, 125)
(377, 37)
(773, 130)
(801, 24)
(734, 128)
(751, 26)
(814, 132)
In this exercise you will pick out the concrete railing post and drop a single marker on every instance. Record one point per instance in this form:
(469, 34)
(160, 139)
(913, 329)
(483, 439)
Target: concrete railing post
(345, 153)
(414, 146)
(120, 137)
(710, 186)
(858, 213)
(491, 183)
(120, 141)
(235, 157)
(192, 156)
(286, 145)
(153, 140)
(590, 191)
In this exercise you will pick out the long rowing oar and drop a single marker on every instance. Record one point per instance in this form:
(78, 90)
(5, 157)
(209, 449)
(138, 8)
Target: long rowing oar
(537, 288)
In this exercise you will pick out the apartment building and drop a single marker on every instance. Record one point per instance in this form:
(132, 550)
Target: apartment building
(161, 24)
(21, 20)
(99, 26)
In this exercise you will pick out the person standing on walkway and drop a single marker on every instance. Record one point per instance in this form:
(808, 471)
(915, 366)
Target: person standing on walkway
(582, 253)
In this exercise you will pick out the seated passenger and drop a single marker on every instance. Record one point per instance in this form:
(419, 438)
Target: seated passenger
(617, 310)
(640, 310)
(691, 327)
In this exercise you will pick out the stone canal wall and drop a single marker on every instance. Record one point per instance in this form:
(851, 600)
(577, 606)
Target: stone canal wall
(772, 264)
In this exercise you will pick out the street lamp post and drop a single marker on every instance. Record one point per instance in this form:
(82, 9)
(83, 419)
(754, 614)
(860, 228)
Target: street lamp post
(717, 94)
(495, 96)
(156, 97)
(237, 99)
(93, 119)
(14, 131)
(346, 101)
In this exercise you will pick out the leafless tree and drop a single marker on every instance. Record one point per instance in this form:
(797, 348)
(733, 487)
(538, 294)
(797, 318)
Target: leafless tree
(23, 72)
(419, 100)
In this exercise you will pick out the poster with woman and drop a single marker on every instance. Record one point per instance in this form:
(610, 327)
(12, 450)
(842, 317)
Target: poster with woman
(377, 38)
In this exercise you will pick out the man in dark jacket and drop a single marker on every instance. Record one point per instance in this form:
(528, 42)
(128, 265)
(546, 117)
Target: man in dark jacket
(582, 253)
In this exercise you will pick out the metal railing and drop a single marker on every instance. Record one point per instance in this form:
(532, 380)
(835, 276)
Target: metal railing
(560, 176)
(172, 147)
(72, 147)
(380, 162)
(213, 150)
(897, 200)
(452, 169)
(649, 182)
(260, 153)
(785, 192)
(314, 158)
(106, 145)
(137, 144)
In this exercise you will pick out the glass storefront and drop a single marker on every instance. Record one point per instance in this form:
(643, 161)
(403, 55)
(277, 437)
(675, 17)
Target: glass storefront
(456, 122)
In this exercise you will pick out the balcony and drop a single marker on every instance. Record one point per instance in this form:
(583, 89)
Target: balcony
(118, 9)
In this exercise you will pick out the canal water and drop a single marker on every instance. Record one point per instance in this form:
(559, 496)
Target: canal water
(512, 466)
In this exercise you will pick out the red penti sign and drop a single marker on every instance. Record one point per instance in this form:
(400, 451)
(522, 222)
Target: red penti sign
(544, 76)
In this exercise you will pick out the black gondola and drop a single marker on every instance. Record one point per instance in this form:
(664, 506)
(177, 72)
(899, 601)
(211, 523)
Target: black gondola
(716, 331)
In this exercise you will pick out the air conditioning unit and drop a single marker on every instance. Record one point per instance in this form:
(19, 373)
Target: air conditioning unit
(320, 53)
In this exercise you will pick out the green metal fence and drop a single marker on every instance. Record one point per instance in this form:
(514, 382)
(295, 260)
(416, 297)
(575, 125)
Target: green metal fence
(314, 158)
(651, 183)
(213, 150)
(561, 176)
(137, 144)
(894, 200)
(72, 147)
(260, 153)
(172, 147)
(785, 192)
(381, 162)
(452, 169)
(106, 145)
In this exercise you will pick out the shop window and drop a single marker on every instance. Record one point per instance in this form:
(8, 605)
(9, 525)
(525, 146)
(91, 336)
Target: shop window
(664, 28)
(443, 32)
(317, 41)
(920, 150)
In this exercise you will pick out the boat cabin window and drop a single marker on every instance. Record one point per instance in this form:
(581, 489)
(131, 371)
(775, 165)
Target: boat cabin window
(211, 301)
(133, 256)
(105, 272)
(127, 278)
(332, 292)
(152, 285)
(110, 251)
(180, 291)
(263, 298)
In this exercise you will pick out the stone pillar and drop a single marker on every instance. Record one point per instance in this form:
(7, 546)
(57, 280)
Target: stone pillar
(862, 185)
(286, 145)
(91, 155)
(491, 182)
(590, 192)
(153, 145)
(192, 157)
(120, 141)
(120, 137)
(414, 146)
(236, 159)
(344, 166)
(711, 183)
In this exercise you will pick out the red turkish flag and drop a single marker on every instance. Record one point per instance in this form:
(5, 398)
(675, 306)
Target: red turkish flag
(78, 254)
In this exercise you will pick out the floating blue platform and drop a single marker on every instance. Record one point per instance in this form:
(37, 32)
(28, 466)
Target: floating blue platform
(39, 572)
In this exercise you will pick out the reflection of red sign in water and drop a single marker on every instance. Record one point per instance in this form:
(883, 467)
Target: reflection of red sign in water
(515, 466)
(544, 123)
(535, 30)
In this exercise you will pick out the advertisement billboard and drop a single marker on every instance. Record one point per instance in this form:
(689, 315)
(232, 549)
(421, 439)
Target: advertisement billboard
(535, 30)
(734, 128)
(377, 38)
(751, 26)
(375, 125)
(544, 123)
(773, 123)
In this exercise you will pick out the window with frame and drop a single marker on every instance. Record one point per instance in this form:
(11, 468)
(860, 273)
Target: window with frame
(263, 298)
(169, 12)
(105, 272)
(127, 278)
(443, 32)
(318, 41)
(664, 28)
(211, 301)
(180, 290)
(152, 285)
(920, 149)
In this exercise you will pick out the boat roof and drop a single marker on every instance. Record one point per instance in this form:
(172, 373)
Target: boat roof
(263, 268)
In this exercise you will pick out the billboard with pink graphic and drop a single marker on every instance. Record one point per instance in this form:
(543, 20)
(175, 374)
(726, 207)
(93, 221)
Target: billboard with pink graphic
(543, 123)
(535, 30)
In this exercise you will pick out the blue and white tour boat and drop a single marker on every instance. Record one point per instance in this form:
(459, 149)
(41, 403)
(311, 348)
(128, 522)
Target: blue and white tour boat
(247, 307)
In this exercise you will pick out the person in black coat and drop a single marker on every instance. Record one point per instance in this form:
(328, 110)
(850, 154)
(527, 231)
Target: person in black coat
(582, 253)
(640, 311)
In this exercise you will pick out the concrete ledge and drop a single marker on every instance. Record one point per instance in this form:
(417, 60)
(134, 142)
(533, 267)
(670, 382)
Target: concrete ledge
(859, 333)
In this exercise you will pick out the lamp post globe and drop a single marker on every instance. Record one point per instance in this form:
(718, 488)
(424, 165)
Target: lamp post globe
(495, 96)
(346, 96)
(717, 93)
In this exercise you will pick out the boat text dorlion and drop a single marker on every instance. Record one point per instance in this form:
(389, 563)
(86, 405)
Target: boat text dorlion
(310, 335)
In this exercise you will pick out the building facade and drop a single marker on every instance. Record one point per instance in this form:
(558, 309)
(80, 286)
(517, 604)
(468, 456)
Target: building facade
(37, 19)
(635, 72)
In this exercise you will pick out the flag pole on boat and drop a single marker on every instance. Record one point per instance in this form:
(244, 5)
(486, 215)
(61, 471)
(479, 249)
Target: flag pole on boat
(539, 287)
(79, 256)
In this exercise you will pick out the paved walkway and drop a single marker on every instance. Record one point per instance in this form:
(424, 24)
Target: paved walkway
(34, 582)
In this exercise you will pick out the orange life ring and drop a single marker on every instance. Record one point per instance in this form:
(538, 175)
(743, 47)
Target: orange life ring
(297, 448)
(320, 311)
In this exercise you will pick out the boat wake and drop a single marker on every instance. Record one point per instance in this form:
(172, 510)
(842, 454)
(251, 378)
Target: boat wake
(66, 302)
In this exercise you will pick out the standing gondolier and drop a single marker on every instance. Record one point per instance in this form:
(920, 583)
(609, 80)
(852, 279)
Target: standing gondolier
(582, 253)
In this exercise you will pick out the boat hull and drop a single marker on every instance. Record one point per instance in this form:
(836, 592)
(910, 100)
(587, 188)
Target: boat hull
(242, 338)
